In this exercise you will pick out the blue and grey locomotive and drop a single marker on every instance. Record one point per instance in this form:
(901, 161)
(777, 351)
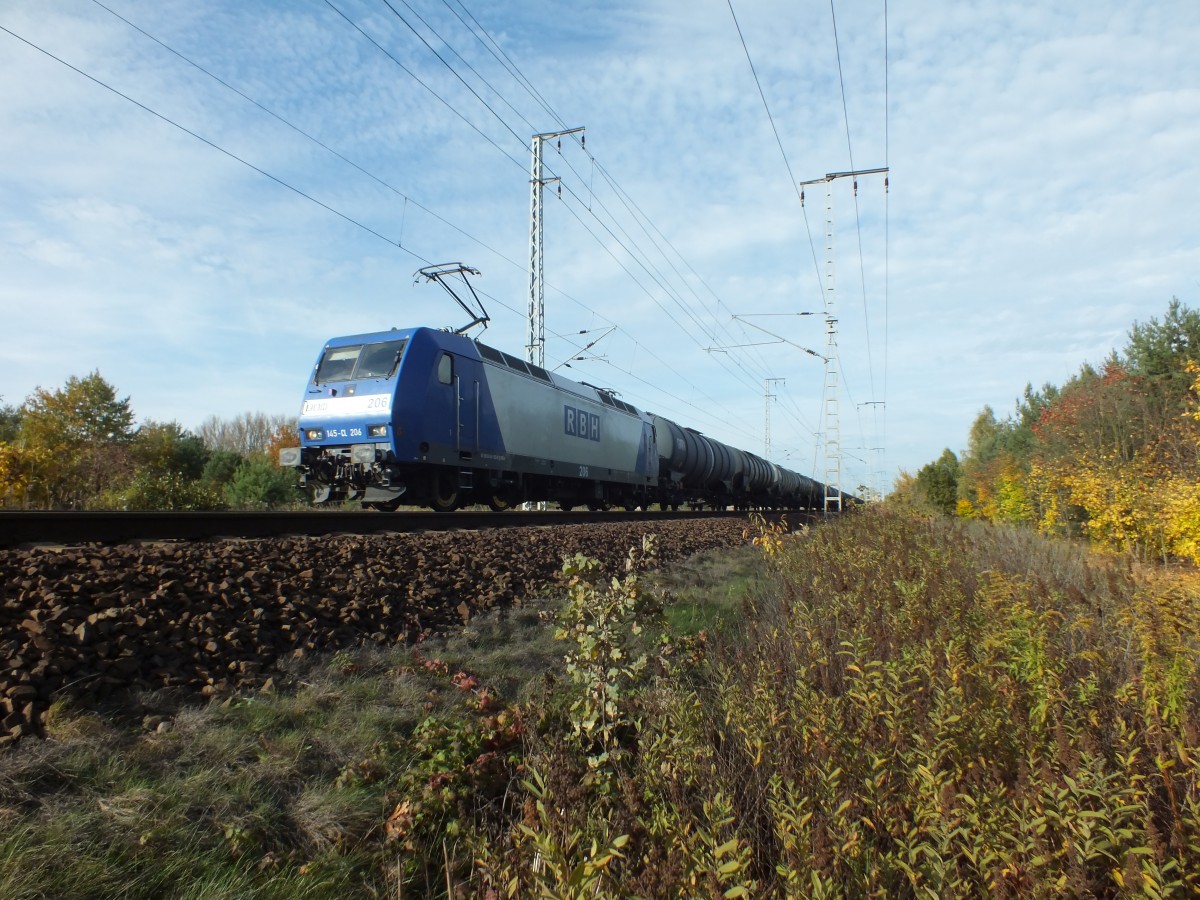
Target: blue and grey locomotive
(433, 418)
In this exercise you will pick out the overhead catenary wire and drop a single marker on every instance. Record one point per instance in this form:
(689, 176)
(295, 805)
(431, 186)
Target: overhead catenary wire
(625, 244)
(641, 259)
(655, 275)
(857, 216)
(324, 146)
(628, 243)
(779, 142)
(214, 145)
(837, 363)
(423, 84)
(529, 125)
(783, 154)
(505, 60)
(886, 218)
(652, 270)
(303, 133)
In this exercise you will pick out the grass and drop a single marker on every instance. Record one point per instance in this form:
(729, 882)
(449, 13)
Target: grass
(889, 706)
(707, 592)
(286, 793)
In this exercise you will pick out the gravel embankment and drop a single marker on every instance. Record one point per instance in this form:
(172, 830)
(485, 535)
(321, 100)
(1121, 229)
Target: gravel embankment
(88, 622)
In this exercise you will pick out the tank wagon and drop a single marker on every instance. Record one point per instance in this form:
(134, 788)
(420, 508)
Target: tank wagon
(433, 418)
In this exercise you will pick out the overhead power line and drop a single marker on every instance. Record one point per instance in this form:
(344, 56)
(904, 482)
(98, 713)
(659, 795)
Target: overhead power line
(779, 142)
(857, 217)
(615, 231)
(624, 239)
(213, 145)
(450, 106)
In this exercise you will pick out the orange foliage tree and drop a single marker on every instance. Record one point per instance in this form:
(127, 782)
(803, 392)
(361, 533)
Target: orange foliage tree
(1114, 455)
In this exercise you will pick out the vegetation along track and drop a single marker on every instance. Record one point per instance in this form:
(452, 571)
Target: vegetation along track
(87, 625)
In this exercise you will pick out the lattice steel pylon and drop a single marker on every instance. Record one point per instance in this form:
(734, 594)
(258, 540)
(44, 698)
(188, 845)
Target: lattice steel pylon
(832, 394)
(536, 345)
(767, 398)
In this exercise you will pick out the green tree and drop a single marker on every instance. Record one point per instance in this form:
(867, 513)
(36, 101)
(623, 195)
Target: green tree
(1162, 349)
(937, 483)
(166, 448)
(84, 411)
(10, 423)
(86, 430)
(220, 468)
(259, 483)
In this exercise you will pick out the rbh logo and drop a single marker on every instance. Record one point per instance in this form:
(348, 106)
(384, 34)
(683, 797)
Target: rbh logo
(581, 423)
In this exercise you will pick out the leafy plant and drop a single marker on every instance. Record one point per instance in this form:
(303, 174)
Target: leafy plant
(604, 620)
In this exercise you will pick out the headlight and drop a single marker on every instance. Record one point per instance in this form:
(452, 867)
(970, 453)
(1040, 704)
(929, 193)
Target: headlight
(377, 431)
(314, 434)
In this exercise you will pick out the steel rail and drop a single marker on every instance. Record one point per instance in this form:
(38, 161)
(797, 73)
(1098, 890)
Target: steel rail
(19, 528)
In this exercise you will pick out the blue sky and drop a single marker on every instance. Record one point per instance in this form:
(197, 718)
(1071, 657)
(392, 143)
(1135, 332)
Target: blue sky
(1043, 196)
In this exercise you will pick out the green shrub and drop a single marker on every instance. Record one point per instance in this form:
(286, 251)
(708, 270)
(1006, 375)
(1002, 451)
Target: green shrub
(152, 490)
(260, 484)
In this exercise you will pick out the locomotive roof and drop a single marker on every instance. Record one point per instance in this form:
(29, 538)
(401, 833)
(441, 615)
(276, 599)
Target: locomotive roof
(486, 352)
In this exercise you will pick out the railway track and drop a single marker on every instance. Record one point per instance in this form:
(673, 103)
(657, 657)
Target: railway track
(57, 527)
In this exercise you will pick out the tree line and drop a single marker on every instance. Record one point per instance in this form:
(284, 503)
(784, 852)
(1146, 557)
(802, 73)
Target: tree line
(1113, 455)
(80, 447)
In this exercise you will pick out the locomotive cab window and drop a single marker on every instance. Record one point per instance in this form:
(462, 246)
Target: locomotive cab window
(337, 363)
(380, 360)
(360, 361)
(445, 368)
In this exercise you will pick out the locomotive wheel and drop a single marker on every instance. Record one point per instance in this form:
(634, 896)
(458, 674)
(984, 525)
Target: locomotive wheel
(499, 503)
(565, 506)
(445, 495)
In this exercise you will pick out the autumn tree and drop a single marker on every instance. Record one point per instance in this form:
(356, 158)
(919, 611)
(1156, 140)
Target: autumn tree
(1111, 455)
(167, 463)
(904, 491)
(22, 469)
(243, 460)
(18, 469)
(85, 429)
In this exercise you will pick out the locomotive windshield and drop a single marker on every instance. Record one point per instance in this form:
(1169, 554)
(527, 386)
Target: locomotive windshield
(360, 361)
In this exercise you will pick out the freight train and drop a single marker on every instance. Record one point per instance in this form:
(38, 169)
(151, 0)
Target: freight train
(423, 417)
